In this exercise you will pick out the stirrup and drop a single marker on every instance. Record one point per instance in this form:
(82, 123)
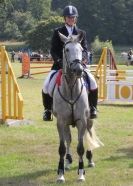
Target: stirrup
(47, 115)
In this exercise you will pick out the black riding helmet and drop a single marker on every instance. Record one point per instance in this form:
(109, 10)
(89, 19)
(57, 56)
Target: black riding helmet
(70, 11)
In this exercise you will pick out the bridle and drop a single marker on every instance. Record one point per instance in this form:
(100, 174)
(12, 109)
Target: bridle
(65, 55)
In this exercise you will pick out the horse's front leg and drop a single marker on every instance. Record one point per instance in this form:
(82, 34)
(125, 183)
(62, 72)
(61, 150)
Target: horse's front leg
(80, 151)
(68, 140)
(62, 151)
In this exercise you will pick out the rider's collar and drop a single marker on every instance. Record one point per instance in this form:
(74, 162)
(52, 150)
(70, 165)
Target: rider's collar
(69, 29)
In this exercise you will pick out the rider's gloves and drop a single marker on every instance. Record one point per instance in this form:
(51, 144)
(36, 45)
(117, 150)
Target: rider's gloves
(59, 62)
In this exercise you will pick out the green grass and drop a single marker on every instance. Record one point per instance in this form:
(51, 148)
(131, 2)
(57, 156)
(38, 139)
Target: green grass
(29, 153)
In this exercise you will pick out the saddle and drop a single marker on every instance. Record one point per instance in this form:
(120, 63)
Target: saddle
(58, 78)
(55, 79)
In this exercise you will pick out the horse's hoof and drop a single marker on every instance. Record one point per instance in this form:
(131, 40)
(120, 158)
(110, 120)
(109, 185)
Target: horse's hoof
(61, 179)
(91, 165)
(81, 177)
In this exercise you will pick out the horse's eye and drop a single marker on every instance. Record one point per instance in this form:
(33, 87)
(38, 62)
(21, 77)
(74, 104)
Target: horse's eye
(67, 50)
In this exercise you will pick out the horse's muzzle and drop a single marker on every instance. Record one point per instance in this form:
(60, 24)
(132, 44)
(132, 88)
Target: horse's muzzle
(77, 68)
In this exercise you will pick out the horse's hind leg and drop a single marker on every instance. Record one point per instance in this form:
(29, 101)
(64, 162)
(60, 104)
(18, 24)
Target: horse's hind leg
(68, 139)
(62, 151)
(89, 156)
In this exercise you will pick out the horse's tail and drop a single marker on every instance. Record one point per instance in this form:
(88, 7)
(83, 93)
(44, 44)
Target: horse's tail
(90, 137)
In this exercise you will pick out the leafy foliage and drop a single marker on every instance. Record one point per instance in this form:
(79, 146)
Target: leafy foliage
(40, 37)
(23, 16)
(98, 45)
(110, 20)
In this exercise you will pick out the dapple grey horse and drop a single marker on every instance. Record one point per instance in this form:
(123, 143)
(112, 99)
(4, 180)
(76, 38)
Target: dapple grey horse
(70, 107)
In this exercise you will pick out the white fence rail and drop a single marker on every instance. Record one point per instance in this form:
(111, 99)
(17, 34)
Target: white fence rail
(119, 85)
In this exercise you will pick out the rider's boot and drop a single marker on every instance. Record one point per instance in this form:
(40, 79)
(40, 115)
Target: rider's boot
(47, 103)
(93, 97)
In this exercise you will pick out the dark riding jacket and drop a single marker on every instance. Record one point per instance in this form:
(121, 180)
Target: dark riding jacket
(57, 45)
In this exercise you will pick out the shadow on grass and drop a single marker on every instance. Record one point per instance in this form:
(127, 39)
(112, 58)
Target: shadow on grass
(38, 178)
(128, 152)
(27, 179)
(123, 154)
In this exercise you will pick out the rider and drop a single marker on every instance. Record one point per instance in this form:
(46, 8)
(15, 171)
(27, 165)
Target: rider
(70, 15)
(130, 53)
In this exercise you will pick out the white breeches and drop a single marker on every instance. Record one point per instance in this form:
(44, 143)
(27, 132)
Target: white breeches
(47, 80)
(93, 84)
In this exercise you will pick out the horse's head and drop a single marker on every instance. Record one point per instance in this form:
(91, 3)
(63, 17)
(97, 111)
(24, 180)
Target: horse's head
(72, 55)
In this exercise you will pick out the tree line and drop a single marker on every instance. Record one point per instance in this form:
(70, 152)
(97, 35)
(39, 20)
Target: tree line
(34, 20)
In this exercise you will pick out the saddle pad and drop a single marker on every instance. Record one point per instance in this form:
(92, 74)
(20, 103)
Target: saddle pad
(54, 79)
(58, 78)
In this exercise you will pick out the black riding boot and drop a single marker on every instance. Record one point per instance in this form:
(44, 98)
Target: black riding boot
(93, 97)
(47, 103)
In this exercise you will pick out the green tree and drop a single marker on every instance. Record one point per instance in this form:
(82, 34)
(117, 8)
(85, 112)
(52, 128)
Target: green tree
(110, 20)
(3, 17)
(40, 9)
(22, 15)
(40, 37)
(11, 31)
(24, 22)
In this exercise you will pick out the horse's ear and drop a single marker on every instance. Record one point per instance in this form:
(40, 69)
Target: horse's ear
(75, 38)
(63, 37)
(80, 37)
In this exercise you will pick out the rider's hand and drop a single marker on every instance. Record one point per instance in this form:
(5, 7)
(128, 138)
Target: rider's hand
(59, 62)
(84, 61)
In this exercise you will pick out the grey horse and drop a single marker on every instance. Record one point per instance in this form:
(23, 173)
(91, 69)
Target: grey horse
(70, 107)
(128, 61)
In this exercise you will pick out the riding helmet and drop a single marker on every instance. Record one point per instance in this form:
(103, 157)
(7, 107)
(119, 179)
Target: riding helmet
(70, 11)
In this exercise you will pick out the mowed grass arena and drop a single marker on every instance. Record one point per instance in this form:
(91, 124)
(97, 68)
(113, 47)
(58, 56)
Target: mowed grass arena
(29, 153)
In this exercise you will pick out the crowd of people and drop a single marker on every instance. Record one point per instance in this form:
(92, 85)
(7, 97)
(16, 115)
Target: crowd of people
(34, 56)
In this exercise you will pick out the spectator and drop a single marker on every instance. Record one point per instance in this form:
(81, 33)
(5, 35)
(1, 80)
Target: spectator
(130, 53)
(13, 56)
(20, 56)
(91, 56)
